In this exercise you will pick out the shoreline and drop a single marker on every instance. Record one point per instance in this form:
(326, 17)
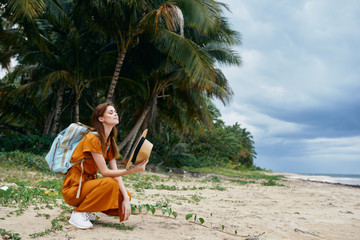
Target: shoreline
(342, 181)
(320, 178)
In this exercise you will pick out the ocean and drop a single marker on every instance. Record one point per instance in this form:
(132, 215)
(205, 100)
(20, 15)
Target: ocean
(345, 179)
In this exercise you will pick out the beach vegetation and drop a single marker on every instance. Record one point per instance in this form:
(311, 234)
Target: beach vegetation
(220, 146)
(9, 234)
(31, 185)
(271, 182)
(218, 187)
(229, 172)
(163, 207)
(57, 222)
(195, 218)
(118, 226)
(16, 159)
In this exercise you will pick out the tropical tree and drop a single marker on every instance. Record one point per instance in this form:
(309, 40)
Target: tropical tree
(121, 26)
(18, 24)
(191, 56)
(193, 49)
(68, 64)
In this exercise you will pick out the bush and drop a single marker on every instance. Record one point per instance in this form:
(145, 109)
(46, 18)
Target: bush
(29, 160)
(33, 143)
(221, 145)
(169, 149)
(216, 147)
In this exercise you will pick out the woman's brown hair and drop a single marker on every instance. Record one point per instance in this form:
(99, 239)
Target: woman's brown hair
(99, 128)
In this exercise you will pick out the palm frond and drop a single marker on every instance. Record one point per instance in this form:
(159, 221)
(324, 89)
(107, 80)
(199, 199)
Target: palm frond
(200, 14)
(26, 10)
(223, 55)
(197, 64)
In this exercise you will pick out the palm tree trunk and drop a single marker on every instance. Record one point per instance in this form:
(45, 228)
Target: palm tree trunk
(134, 130)
(49, 120)
(59, 102)
(77, 111)
(119, 63)
(128, 147)
(129, 140)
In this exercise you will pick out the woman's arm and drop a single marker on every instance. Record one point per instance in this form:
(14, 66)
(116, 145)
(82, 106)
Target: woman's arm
(113, 166)
(106, 172)
(125, 206)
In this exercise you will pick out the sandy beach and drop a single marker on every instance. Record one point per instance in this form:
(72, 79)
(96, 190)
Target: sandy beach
(299, 209)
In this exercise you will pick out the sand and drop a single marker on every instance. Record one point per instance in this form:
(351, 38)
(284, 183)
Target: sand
(298, 210)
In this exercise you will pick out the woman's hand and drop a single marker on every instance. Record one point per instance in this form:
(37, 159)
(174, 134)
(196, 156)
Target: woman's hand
(141, 166)
(126, 209)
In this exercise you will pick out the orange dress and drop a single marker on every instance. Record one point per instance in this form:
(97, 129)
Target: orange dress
(97, 194)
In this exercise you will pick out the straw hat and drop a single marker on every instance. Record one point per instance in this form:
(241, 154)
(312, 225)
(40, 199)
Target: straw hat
(141, 151)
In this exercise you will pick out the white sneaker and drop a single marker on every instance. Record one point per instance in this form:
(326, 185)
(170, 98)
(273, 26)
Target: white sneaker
(80, 220)
(91, 216)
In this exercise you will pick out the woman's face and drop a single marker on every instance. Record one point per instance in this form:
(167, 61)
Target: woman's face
(110, 117)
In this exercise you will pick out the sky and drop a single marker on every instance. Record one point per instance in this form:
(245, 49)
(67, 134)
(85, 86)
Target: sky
(298, 88)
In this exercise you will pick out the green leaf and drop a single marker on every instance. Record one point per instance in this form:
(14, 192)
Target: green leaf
(175, 214)
(201, 220)
(153, 210)
(236, 232)
(163, 211)
(147, 206)
(222, 227)
(169, 211)
(188, 216)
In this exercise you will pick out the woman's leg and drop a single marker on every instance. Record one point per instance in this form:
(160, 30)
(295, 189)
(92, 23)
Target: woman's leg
(98, 195)
(118, 212)
(102, 195)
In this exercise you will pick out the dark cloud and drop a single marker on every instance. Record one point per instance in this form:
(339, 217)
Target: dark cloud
(342, 121)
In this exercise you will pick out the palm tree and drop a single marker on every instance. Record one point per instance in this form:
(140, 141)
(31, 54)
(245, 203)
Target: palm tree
(206, 81)
(121, 25)
(176, 70)
(69, 62)
(17, 27)
(18, 21)
(125, 21)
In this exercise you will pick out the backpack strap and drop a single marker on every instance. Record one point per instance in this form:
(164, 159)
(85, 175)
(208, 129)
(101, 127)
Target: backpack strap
(66, 143)
(99, 137)
(82, 171)
(68, 137)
